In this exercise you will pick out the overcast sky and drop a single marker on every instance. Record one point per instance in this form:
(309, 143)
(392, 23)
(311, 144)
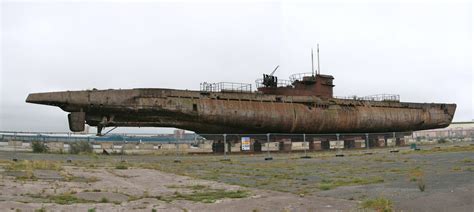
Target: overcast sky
(422, 50)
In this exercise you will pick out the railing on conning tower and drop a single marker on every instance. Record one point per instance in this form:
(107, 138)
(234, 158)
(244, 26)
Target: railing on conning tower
(300, 76)
(377, 97)
(226, 87)
(280, 83)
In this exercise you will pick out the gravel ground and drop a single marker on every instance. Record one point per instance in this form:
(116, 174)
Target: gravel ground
(321, 183)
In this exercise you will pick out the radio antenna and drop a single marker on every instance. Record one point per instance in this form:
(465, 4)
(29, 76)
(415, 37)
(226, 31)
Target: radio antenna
(312, 63)
(319, 70)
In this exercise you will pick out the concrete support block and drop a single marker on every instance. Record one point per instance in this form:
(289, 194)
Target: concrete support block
(235, 147)
(129, 146)
(336, 144)
(315, 145)
(380, 142)
(168, 146)
(183, 146)
(400, 142)
(272, 146)
(349, 144)
(285, 145)
(146, 146)
(391, 142)
(55, 146)
(299, 146)
(359, 144)
(205, 146)
(107, 145)
(15, 143)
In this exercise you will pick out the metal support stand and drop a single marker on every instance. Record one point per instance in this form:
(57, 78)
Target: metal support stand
(367, 144)
(14, 149)
(177, 160)
(339, 151)
(225, 149)
(394, 150)
(268, 148)
(306, 145)
(122, 148)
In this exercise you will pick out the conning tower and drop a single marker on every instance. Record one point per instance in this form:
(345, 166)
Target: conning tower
(303, 84)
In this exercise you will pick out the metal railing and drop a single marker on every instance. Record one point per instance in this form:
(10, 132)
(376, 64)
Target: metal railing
(226, 87)
(280, 83)
(300, 76)
(377, 97)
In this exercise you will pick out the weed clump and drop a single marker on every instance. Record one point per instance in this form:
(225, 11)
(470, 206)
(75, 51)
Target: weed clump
(442, 141)
(378, 204)
(421, 184)
(66, 199)
(210, 196)
(104, 200)
(39, 147)
(121, 166)
(80, 147)
(27, 165)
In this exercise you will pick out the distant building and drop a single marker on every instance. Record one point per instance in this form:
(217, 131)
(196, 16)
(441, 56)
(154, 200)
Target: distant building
(455, 129)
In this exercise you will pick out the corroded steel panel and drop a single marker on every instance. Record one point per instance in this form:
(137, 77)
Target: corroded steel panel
(245, 112)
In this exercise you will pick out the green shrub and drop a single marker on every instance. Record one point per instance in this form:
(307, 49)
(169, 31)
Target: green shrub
(39, 147)
(442, 140)
(80, 147)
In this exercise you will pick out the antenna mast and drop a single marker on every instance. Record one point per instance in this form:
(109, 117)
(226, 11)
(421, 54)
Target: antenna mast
(319, 70)
(312, 63)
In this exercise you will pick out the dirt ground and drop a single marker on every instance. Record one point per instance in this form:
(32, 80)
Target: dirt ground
(437, 178)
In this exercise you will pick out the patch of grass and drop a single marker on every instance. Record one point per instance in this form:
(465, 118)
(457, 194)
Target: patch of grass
(325, 186)
(331, 184)
(27, 165)
(210, 196)
(91, 210)
(378, 204)
(384, 159)
(42, 209)
(456, 168)
(66, 199)
(121, 166)
(468, 160)
(104, 200)
(415, 173)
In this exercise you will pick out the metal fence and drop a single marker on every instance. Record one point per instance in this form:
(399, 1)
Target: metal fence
(352, 140)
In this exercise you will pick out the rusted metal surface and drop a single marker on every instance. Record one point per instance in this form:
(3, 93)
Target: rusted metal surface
(217, 112)
(302, 85)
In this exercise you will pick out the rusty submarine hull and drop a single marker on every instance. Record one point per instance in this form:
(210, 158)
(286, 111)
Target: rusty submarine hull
(303, 104)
